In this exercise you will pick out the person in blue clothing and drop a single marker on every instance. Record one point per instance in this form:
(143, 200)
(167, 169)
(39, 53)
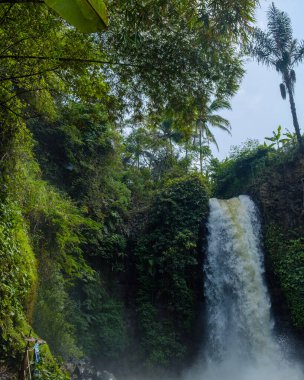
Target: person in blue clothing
(36, 351)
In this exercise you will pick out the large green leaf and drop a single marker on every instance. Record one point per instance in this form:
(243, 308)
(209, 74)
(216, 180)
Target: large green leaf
(88, 16)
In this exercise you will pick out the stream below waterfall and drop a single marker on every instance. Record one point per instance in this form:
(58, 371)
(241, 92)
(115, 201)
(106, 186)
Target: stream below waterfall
(241, 344)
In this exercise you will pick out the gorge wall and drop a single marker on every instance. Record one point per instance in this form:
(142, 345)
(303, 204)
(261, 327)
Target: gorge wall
(276, 185)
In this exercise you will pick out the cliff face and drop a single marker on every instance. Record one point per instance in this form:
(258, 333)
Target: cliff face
(281, 195)
(275, 181)
(167, 279)
(278, 189)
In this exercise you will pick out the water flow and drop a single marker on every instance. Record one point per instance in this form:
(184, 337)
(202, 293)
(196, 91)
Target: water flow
(241, 344)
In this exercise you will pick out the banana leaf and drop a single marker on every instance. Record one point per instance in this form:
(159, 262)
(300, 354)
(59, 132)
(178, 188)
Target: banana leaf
(88, 16)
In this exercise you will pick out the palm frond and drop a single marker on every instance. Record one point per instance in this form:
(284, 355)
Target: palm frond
(279, 25)
(298, 53)
(262, 47)
(293, 49)
(220, 122)
(289, 134)
(218, 104)
(210, 137)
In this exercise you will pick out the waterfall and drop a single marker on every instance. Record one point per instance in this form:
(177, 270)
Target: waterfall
(238, 306)
(241, 344)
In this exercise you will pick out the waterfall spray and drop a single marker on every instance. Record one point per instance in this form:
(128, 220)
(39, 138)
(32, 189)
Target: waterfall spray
(238, 306)
(241, 344)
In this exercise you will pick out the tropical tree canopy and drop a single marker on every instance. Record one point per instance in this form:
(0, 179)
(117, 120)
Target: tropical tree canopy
(208, 118)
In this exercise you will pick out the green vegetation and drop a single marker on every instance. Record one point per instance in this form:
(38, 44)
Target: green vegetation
(105, 179)
(273, 178)
(240, 171)
(89, 16)
(18, 279)
(249, 165)
(287, 258)
(169, 277)
(205, 117)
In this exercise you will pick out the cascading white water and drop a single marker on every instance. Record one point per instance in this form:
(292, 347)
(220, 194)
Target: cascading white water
(241, 343)
(238, 308)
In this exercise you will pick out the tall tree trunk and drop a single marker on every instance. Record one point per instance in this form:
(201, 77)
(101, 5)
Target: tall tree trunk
(200, 151)
(138, 154)
(293, 110)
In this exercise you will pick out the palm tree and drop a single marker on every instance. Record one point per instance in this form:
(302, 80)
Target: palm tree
(276, 47)
(208, 119)
(276, 139)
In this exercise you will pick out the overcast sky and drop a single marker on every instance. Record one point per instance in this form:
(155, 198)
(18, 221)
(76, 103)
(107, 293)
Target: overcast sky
(258, 108)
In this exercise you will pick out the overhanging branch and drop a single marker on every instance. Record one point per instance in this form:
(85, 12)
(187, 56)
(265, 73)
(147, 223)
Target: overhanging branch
(68, 59)
(4, 79)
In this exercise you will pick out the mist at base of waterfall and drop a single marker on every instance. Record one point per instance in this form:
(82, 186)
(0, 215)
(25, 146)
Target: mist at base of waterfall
(236, 370)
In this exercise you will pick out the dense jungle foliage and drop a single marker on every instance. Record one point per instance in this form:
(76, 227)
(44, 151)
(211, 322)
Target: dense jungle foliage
(273, 176)
(100, 200)
(168, 275)
(106, 171)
